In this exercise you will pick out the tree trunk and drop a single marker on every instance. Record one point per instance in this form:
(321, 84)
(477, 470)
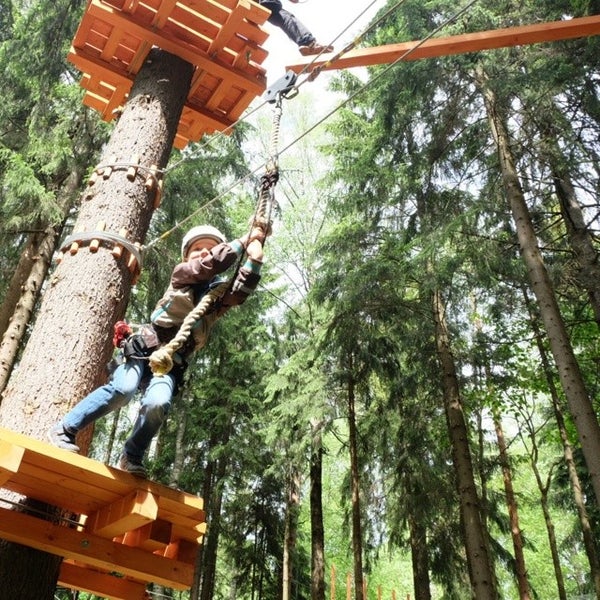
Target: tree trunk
(291, 532)
(28, 280)
(70, 343)
(480, 571)
(355, 479)
(513, 512)
(580, 405)
(317, 530)
(19, 280)
(212, 492)
(30, 274)
(589, 539)
(579, 234)
(420, 558)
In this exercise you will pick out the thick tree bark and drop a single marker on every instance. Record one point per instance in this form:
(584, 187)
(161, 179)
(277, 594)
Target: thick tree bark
(580, 405)
(481, 575)
(317, 530)
(70, 344)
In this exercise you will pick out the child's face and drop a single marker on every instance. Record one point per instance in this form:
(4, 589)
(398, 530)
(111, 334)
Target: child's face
(200, 248)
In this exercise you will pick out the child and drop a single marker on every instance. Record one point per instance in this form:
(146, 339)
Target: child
(293, 28)
(205, 254)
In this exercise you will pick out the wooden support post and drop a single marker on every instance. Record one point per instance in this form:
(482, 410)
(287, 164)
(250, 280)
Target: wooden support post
(348, 586)
(332, 583)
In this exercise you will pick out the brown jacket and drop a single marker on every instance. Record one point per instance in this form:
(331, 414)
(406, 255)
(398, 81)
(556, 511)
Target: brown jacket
(190, 281)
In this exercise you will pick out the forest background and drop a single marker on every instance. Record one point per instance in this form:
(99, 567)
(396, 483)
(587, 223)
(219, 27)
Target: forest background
(411, 395)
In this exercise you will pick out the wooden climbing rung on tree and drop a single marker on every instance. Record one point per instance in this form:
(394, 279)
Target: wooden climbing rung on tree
(221, 38)
(457, 44)
(129, 531)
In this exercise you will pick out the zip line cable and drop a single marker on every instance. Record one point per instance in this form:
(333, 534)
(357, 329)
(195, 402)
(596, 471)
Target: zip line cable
(344, 103)
(247, 115)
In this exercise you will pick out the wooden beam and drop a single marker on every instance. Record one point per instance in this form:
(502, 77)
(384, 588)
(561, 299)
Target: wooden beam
(125, 514)
(458, 44)
(93, 550)
(10, 460)
(78, 577)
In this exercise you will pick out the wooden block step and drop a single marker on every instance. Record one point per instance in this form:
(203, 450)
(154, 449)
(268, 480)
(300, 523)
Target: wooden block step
(220, 38)
(137, 528)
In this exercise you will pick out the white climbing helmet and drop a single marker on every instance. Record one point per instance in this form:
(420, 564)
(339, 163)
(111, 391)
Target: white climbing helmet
(199, 232)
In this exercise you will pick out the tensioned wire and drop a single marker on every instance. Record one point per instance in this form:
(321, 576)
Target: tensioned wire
(344, 103)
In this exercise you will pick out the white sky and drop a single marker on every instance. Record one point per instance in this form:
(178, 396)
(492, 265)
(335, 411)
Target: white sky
(326, 19)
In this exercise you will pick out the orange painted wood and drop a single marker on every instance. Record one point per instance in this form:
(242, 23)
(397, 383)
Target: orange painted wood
(93, 550)
(153, 536)
(77, 577)
(131, 512)
(110, 503)
(10, 460)
(460, 44)
(220, 38)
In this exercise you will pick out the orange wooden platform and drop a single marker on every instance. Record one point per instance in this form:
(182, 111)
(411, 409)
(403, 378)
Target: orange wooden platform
(456, 44)
(130, 530)
(221, 38)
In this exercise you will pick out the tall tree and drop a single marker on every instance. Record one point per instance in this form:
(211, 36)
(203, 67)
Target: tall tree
(570, 375)
(92, 289)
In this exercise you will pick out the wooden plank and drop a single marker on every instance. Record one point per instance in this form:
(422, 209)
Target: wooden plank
(10, 460)
(135, 510)
(46, 467)
(460, 44)
(78, 577)
(178, 47)
(93, 550)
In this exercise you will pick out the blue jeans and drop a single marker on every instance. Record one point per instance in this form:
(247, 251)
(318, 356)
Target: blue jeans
(288, 23)
(121, 388)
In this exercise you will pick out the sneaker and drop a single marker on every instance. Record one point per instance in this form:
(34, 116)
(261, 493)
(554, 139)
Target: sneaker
(132, 465)
(61, 438)
(315, 48)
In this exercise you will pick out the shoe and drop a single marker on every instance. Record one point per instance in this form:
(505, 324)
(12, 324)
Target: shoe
(315, 48)
(132, 465)
(61, 438)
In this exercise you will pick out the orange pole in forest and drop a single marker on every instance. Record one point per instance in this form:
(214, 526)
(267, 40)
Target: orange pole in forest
(332, 584)
(349, 586)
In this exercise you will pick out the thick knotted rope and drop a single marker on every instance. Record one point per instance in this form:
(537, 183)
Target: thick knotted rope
(161, 360)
